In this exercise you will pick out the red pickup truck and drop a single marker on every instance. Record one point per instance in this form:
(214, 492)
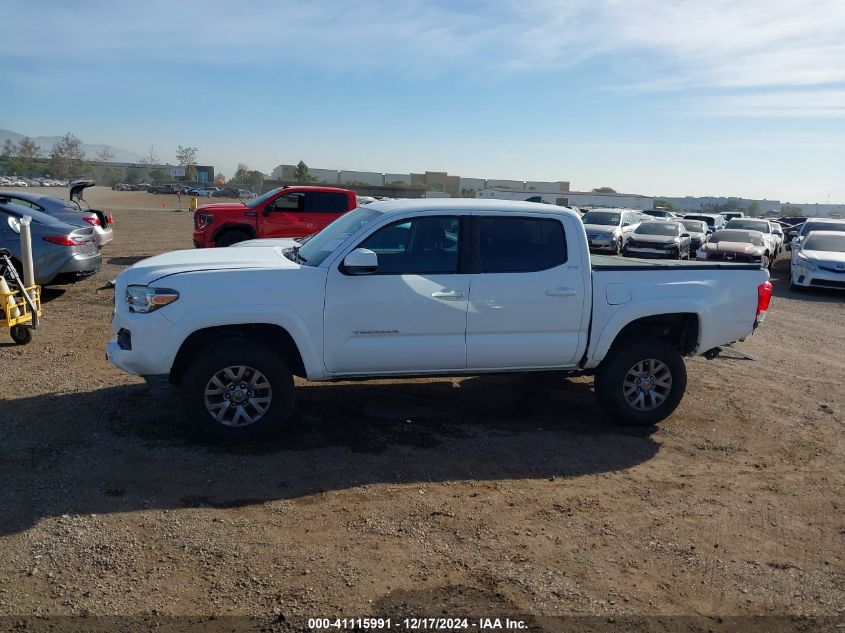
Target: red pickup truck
(282, 212)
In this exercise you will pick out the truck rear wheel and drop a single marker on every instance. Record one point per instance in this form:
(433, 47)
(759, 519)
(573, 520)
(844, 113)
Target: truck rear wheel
(236, 391)
(227, 238)
(641, 382)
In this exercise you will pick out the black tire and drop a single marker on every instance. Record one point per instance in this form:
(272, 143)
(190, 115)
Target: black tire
(227, 238)
(21, 334)
(622, 358)
(208, 362)
(619, 247)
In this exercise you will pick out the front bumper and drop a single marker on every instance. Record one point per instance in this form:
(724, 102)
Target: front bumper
(200, 240)
(148, 342)
(602, 244)
(820, 278)
(654, 253)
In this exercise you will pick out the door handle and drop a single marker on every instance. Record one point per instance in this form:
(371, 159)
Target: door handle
(448, 294)
(562, 292)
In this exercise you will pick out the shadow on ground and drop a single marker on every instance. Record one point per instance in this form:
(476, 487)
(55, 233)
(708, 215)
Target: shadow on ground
(127, 261)
(120, 450)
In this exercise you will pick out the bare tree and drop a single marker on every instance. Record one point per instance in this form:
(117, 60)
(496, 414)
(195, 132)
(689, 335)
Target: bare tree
(150, 157)
(105, 156)
(9, 150)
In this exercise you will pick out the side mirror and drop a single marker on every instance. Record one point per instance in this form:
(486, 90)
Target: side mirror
(361, 261)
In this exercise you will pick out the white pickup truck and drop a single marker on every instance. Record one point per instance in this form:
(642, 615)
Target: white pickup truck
(421, 288)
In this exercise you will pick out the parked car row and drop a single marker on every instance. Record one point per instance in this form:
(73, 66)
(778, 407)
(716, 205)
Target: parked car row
(708, 237)
(817, 244)
(15, 181)
(67, 235)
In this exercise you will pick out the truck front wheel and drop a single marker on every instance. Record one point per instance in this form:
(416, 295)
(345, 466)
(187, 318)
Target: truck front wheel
(641, 382)
(227, 238)
(236, 391)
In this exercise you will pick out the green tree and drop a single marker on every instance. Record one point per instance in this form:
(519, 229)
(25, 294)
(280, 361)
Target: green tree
(67, 155)
(604, 190)
(187, 157)
(240, 173)
(159, 174)
(111, 175)
(791, 209)
(133, 176)
(302, 174)
(84, 169)
(246, 176)
(755, 208)
(664, 203)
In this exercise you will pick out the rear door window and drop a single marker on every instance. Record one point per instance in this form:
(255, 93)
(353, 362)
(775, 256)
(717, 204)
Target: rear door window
(519, 245)
(325, 202)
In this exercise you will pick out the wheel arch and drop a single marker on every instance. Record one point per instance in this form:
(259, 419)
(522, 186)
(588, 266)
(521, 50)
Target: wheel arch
(681, 329)
(243, 228)
(271, 335)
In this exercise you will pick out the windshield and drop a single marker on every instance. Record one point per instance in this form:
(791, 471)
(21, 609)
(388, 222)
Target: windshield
(737, 236)
(830, 243)
(750, 225)
(659, 228)
(822, 226)
(605, 218)
(324, 243)
(260, 200)
(708, 221)
(694, 226)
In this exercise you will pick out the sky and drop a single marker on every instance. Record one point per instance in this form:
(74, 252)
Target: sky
(660, 97)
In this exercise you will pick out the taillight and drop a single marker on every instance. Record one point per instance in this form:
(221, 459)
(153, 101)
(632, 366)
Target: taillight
(109, 218)
(93, 221)
(67, 240)
(764, 297)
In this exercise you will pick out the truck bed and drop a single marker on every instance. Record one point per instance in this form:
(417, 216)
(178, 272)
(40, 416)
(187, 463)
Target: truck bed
(613, 262)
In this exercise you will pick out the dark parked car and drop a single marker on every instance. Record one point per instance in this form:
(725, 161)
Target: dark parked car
(714, 221)
(61, 252)
(169, 188)
(665, 240)
(232, 192)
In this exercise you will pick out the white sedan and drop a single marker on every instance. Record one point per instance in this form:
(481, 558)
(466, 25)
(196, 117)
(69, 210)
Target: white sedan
(819, 262)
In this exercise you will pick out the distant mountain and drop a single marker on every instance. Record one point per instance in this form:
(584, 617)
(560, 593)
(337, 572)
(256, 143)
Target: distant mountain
(46, 143)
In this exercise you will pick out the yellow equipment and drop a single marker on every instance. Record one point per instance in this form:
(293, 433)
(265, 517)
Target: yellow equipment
(17, 306)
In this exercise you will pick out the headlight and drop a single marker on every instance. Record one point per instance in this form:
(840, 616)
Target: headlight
(145, 299)
(806, 263)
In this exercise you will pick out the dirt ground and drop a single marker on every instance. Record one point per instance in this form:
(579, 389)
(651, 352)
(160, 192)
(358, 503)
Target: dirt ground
(480, 496)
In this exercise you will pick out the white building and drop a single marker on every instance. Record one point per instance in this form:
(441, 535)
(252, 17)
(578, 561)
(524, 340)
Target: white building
(573, 198)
